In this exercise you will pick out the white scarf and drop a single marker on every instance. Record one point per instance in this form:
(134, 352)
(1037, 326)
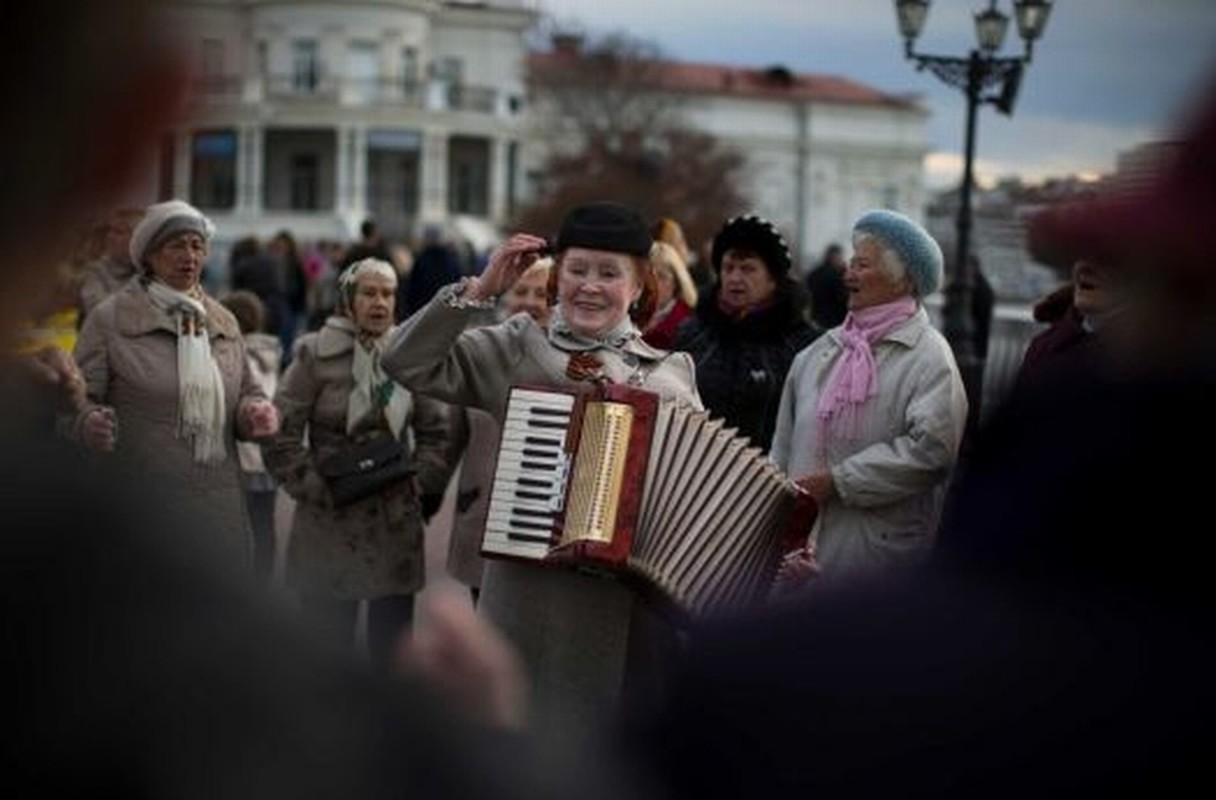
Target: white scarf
(200, 405)
(373, 389)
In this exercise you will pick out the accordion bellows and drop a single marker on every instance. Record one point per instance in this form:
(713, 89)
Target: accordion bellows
(613, 478)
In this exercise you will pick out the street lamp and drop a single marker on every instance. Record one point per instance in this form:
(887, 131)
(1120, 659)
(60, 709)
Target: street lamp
(981, 71)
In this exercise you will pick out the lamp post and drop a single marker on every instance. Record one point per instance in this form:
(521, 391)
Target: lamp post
(975, 75)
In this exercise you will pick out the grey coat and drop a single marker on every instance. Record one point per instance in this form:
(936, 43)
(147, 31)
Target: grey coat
(574, 631)
(127, 351)
(892, 479)
(373, 547)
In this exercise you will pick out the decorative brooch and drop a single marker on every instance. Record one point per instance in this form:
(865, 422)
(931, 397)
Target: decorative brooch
(584, 367)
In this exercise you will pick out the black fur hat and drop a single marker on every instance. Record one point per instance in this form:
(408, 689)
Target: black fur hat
(753, 233)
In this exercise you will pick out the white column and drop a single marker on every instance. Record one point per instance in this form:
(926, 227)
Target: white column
(359, 170)
(499, 186)
(255, 174)
(342, 180)
(433, 205)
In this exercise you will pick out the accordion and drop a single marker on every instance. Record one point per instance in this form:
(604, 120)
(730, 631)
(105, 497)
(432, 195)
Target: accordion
(611, 478)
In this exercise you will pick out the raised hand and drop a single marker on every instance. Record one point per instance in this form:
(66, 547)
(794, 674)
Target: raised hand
(507, 263)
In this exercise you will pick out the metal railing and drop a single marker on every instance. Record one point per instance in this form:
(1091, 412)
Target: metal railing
(370, 92)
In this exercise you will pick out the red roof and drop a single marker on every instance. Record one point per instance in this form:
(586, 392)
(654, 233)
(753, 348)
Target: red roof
(769, 83)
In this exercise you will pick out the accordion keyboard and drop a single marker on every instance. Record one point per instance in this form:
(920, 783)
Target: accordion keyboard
(530, 479)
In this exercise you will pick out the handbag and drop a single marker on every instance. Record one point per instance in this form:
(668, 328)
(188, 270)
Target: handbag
(365, 469)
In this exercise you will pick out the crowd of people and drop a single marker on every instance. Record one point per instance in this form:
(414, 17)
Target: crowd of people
(1016, 622)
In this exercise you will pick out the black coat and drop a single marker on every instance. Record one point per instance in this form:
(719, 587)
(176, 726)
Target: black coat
(742, 364)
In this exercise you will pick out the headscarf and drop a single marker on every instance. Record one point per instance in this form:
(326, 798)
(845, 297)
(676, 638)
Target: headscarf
(373, 391)
(200, 407)
(854, 379)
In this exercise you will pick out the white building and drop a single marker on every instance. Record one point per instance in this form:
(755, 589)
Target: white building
(313, 116)
(819, 149)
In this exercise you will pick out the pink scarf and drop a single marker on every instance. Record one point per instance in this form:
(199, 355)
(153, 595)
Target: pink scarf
(853, 380)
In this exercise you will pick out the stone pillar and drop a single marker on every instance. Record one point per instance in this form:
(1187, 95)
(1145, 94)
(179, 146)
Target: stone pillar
(433, 205)
(499, 185)
(358, 171)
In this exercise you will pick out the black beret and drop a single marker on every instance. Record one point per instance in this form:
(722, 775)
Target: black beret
(750, 232)
(605, 226)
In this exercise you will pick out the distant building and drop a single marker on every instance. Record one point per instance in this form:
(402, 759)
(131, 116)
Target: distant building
(313, 116)
(820, 149)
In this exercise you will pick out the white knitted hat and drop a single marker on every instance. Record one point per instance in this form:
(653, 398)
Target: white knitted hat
(162, 220)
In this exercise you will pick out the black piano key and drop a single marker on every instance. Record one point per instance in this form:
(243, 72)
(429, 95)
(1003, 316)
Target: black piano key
(522, 495)
(553, 412)
(533, 512)
(526, 481)
(515, 536)
(530, 525)
(542, 440)
(538, 466)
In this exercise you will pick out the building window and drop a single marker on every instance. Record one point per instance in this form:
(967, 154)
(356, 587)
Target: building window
(263, 65)
(409, 68)
(469, 176)
(305, 175)
(306, 65)
(363, 70)
(447, 74)
(213, 169)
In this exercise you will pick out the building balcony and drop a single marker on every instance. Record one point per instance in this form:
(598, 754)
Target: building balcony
(431, 95)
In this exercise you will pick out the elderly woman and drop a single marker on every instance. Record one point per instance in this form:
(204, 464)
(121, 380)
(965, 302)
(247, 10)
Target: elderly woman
(675, 296)
(873, 412)
(334, 395)
(168, 384)
(747, 330)
(572, 629)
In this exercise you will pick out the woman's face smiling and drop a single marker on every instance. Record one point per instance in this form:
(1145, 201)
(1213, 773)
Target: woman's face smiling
(595, 289)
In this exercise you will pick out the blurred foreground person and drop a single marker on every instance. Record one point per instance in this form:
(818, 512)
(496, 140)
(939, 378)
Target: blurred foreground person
(137, 663)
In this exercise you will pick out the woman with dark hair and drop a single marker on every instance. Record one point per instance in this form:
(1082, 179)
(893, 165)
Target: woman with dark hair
(748, 328)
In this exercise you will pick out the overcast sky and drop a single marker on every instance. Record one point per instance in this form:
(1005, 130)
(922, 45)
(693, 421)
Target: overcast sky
(1107, 75)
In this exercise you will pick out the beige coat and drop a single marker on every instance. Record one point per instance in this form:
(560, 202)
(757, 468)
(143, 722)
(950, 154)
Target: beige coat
(576, 633)
(373, 547)
(127, 351)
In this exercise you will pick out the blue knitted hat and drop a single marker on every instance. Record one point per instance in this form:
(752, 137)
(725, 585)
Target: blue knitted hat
(916, 248)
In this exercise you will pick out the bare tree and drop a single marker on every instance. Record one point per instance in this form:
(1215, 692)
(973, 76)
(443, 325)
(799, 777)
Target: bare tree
(631, 143)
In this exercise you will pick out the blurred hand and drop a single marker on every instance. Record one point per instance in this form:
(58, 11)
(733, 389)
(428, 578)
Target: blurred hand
(467, 660)
(99, 429)
(819, 485)
(260, 419)
(506, 264)
(54, 366)
(798, 567)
